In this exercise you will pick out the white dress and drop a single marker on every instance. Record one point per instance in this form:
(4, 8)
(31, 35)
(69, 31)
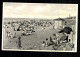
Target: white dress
(71, 37)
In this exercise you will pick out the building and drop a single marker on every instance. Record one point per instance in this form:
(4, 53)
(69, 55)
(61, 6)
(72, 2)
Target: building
(58, 23)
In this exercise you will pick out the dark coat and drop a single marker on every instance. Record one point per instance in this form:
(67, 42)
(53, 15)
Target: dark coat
(64, 38)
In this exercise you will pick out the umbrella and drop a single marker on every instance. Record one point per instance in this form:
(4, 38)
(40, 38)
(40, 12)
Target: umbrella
(66, 30)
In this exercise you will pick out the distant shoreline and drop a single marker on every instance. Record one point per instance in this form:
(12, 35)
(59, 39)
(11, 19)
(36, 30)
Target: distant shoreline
(11, 18)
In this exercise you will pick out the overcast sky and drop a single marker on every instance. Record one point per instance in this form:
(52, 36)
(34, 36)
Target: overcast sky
(39, 10)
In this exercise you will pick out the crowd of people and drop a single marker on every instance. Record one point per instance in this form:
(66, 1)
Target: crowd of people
(29, 26)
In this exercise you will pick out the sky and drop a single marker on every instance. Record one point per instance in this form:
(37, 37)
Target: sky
(38, 10)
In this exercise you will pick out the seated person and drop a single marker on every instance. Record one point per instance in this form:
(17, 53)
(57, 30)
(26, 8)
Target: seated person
(54, 37)
(64, 39)
(50, 41)
(43, 44)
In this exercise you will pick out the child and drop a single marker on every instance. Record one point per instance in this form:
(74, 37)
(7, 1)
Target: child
(51, 41)
(54, 36)
(54, 39)
(46, 42)
(43, 44)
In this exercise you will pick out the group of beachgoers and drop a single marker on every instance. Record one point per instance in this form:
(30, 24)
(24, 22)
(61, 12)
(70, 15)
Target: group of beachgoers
(58, 41)
(54, 40)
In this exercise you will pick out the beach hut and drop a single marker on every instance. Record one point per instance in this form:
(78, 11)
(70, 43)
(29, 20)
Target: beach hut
(58, 23)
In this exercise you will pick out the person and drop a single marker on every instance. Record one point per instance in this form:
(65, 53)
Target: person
(43, 44)
(19, 42)
(54, 39)
(64, 39)
(70, 37)
(46, 42)
(51, 41)
(58, 39)
(54, 36)
(14, 35)
(7, 34)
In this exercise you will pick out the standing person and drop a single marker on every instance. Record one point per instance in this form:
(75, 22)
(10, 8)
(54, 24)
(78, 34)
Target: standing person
(19, 42)
(46, 42)
(70, 37)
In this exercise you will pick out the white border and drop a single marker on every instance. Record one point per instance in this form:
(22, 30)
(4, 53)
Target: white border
(44, 50)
